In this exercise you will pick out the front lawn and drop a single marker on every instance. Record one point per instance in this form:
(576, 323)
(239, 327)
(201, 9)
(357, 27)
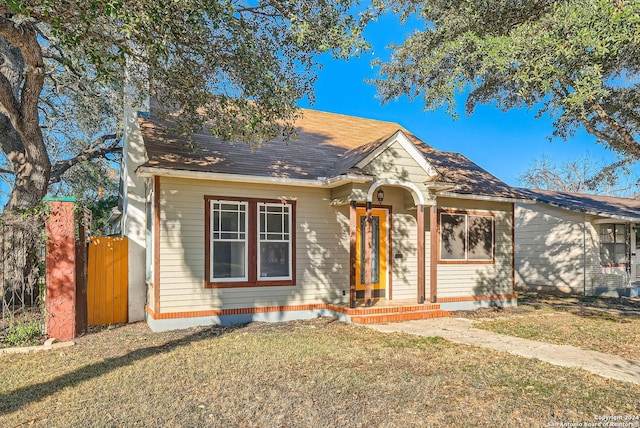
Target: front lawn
(318, 373)
(606, 325)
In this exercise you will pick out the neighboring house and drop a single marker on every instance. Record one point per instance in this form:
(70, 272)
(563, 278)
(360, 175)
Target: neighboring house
(223, 234)
(575, 243)
(114, 224)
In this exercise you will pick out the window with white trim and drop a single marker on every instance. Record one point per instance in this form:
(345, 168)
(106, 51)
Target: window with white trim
(229, 249)
(466, 237)
(274, 241)
(249, 242)
(613, 244)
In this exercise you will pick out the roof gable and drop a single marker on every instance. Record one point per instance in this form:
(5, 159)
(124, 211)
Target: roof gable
(409, 147)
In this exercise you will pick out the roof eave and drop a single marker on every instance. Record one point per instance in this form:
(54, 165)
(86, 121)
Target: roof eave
(326, 182)
(590, 212)
(507, 199)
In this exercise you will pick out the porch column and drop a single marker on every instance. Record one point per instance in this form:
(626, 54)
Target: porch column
(433, 274)
(367, 256)
(420, 220)
(353, 221)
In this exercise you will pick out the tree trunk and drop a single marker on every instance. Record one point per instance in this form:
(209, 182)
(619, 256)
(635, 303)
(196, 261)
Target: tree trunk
(21, 139)
(32, 172)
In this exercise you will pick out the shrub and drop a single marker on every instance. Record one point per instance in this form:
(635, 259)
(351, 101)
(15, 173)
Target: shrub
(24, 334)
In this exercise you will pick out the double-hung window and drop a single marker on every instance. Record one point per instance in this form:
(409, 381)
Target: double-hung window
(613, 244)
(228, 241)
(249, 242)
(466, 237)
(274, 241)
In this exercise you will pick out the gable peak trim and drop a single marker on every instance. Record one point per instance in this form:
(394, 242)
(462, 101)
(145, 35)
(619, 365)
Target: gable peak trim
(401, 138)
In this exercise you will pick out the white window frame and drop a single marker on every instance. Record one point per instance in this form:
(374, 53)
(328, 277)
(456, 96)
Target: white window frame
(259, 240)
(625, 243)
(441, 243)
(213, 240)
(466, 258)
(492, 237)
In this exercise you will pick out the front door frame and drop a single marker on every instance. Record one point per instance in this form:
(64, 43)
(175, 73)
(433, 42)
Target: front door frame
(420, 206)
(386, 273)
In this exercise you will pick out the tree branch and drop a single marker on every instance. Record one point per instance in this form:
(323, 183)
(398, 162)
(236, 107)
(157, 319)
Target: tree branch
(630, 144)
(95, 150)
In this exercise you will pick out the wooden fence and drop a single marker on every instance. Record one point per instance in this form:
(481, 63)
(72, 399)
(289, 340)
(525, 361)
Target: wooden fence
(107, 280)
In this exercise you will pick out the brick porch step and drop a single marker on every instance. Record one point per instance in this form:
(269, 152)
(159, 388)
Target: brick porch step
(378, 318)
(384, 309)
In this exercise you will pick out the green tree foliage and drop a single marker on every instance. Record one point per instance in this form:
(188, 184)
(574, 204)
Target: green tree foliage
(575, 60)
(240, 65)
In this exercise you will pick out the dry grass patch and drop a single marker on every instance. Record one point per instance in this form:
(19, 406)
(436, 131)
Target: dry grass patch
(606, 325)
(318, 373)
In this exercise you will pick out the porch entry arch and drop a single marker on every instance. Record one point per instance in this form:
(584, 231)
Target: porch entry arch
(418, 199)
(367, 237)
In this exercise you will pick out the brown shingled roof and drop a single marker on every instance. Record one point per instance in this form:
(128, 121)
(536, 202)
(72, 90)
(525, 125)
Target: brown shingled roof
(606, 206)
(327, 145)
(470, 178)
(322, 140)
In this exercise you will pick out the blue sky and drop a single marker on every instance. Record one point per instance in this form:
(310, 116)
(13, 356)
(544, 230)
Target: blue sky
(505, 144)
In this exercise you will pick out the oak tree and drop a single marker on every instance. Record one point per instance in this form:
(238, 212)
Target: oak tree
(240, 65)
(577, 61)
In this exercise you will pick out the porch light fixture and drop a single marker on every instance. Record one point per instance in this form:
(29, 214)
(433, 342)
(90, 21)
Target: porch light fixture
(380, 196)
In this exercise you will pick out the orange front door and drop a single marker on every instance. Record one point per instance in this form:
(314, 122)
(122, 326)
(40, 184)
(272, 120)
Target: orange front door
(378, 252)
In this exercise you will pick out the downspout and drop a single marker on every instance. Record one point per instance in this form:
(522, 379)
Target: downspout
(629, 256)
(584, 256)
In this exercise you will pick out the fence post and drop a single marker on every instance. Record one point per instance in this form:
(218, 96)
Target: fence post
(61, 270)
(82, 246)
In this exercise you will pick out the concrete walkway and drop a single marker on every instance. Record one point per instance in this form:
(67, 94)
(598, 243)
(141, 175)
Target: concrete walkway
(461, 331)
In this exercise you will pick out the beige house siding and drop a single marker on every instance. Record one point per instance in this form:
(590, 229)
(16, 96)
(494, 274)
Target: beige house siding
(559, 250)
(322, 250)
(471, 279)
(396, 163)
(405, 243)
(550, 246)
(404, 229)
(349, 192)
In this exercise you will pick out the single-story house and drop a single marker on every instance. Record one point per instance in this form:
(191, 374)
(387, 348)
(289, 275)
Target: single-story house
(352, 215)
(577, 243)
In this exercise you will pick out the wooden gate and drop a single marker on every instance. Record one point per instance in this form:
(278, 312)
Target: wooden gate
(107, 281)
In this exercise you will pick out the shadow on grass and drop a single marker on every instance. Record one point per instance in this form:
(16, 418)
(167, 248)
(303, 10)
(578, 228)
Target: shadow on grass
(15, 400)
(611, 308)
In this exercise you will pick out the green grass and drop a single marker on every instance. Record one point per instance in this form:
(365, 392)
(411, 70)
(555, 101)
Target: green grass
(595, 324)
(318, 373)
